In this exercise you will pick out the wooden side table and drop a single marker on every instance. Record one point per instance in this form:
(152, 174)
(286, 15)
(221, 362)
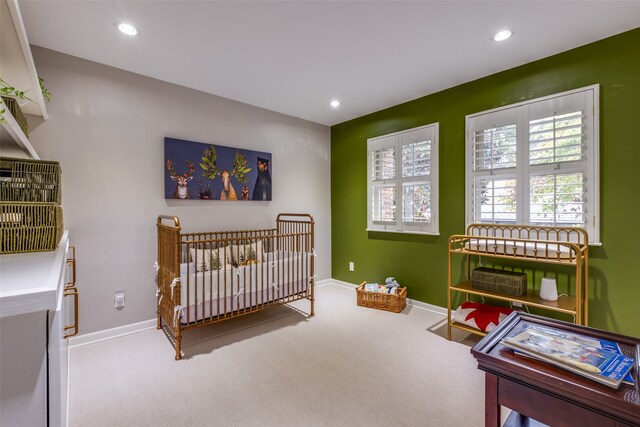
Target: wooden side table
(548, 394)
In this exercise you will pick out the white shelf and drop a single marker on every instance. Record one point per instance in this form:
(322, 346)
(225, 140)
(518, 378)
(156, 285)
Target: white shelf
(17, 69)
(29, 282)
(16, 62)
(13, 135)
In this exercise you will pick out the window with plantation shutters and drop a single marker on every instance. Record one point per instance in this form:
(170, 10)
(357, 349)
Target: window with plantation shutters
(536, 163)
(403, 181)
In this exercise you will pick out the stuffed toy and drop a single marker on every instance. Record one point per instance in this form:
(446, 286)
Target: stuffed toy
(391, 284)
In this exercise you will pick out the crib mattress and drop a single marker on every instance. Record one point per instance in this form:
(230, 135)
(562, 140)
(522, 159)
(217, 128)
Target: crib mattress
(218, 292)
(530, 250)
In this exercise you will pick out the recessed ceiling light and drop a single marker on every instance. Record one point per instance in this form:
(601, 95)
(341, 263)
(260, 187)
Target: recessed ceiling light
(501, 36)
(127, 29)
(335, 103)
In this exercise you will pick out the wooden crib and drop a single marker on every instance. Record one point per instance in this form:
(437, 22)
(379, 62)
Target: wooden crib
(207, 277)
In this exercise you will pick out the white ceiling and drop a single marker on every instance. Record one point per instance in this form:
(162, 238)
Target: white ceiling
(294, 57)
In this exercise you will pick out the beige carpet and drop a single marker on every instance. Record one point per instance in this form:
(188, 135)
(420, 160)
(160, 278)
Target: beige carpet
(347, 366)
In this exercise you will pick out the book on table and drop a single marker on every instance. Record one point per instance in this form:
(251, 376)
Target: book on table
(604, 344)
(615, 347)
(577, 353)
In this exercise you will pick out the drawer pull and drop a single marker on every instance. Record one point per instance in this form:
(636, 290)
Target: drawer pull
(71, 263)
(72, 291)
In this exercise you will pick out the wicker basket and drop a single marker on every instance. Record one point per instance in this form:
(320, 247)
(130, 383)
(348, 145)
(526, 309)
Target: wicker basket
(381, 301)
(29, 227)
(500, 281)
(25, 180)
(17, 114)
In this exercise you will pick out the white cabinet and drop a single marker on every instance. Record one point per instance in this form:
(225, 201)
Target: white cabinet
(35, 292)
(23, 370)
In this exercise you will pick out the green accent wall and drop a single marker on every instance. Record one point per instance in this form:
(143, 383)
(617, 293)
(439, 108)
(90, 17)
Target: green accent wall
(420, 262)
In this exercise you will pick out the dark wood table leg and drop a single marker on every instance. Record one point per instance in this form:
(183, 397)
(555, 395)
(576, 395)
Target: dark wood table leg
(491, 405)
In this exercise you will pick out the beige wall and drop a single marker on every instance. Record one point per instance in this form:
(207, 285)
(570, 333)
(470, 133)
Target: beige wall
(107, 129)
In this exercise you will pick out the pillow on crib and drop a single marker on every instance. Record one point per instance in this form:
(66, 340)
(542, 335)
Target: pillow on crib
(207, 259)
(244, 254)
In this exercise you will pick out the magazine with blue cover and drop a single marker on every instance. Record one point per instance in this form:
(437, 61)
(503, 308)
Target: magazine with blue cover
(576, 353)
(614, 347)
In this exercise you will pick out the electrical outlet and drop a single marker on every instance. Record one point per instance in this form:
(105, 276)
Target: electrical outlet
(119, 299)
(352, 266)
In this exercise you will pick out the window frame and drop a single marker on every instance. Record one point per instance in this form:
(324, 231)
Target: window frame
(523, 113)
(396, 140)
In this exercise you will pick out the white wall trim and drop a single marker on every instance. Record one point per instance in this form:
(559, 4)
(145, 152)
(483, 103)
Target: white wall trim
(436, 309)
(119, 331)
(106, 334)
(323, 282)
(343, 284)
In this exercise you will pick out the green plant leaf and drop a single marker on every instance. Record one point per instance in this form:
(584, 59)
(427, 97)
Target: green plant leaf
(209, 163)
(45, 92)
(8, 90)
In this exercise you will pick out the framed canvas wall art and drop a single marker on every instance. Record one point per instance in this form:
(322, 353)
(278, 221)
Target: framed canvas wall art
(194, 170)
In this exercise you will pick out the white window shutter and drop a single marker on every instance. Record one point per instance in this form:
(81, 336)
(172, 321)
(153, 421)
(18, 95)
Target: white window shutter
(494, 148)
(403, 181)
(384, 203)
(416, 203)
(494, 199)
(557, 200)
(558, 138)
(384, 164)
(536, 162)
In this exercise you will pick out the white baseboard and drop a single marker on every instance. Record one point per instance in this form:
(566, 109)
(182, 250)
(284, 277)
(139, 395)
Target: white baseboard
(119, 331)
(413, 303)
(106, 334)
(323, 282)
(442, 311)
(343, 284)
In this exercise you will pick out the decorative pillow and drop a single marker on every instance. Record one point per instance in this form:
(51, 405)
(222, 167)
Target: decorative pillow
(207, 259)
(480, 316)
(246, 254)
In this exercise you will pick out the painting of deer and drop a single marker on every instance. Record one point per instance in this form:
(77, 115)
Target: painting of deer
(182, 181)
(195, 170)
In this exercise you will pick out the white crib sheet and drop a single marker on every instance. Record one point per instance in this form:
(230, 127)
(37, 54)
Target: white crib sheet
(281, 275)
